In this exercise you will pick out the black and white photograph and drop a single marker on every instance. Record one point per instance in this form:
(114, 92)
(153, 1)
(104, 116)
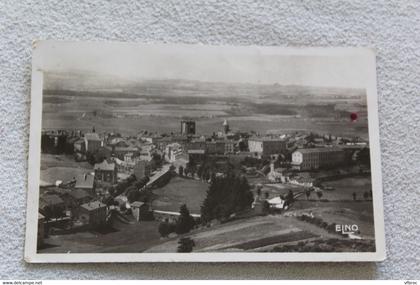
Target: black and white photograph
(142, 152)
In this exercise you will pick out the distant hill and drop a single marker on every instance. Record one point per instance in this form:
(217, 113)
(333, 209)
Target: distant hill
(83, 84)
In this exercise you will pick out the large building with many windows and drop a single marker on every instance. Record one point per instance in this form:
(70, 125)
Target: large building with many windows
(315, 158)
(265, 147)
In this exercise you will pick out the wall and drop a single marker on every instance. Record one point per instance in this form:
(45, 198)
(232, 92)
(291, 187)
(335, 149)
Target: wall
(391, 27)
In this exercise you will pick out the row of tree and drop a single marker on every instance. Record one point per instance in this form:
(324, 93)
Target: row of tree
(56, 144)
(130, 186)
(207, 168)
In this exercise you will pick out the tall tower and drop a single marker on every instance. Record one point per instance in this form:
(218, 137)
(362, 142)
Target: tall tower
(226, 126)
(187, 127)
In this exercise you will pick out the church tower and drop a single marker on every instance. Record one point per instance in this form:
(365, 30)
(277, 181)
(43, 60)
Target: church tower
(226, 126)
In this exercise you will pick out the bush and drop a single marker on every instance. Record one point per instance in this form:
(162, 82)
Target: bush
(331, 228)
(185, 221)
(164, 229)
(317, 221)
(185, 245)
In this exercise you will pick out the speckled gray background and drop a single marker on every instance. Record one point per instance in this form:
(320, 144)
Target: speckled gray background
(392, 27)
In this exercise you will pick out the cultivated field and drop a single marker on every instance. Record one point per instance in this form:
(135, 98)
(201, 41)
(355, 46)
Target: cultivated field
(159, 106)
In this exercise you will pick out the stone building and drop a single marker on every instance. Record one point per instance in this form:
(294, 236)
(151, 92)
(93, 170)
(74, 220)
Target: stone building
(106, 172)
(315, 158)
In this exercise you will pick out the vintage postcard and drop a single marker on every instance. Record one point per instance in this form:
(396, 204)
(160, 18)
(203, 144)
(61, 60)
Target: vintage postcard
(161, 153)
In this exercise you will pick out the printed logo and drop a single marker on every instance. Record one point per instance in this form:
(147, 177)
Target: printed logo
(347, 229)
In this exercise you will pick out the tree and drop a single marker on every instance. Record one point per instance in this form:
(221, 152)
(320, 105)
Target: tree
(311, 137)
(90, 158)
(290, 197)
(172, 168)
(242, 194)
(132, 195)
(225, 196)
(185, 245)
(47, 144)
(319, 194)
(242, 145)
(363, 157)
(366, 195)
(61, 144)
(266, 207)
(164, 229)
(259, 192)
(142, 182)
(185, 221)
(191, 167)
(156, 161)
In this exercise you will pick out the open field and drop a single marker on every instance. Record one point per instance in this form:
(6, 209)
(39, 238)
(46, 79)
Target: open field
(343, 189)
(180, 191)
(51, 175)
(53, 160)
(61, 167)
(127, 238)
(346, 186)
(350, 212)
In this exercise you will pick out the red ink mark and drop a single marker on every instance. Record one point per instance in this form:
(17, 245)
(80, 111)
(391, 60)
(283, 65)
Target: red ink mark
(353, 116)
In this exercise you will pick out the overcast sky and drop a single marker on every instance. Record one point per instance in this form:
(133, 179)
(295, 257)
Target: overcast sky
(310, 67)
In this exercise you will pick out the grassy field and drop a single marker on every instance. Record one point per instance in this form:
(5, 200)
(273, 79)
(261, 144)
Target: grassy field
(167, 122)
(180, 191)
(359, 212)
(343, 189)
(127, 238)
(263, 233)
(275, 190)
(61, 167)
(346, 186)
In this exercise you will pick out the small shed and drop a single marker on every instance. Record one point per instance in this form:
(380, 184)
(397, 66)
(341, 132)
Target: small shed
(93, 213)
(276, 203)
